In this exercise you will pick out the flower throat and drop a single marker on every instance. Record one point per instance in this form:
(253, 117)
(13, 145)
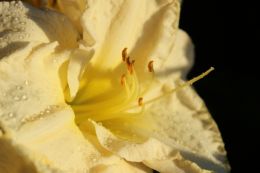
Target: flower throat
(106, 95)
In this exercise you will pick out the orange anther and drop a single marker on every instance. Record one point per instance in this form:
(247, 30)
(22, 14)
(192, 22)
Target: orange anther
(124, 54)
(150, 66)
(140, 101)
(128, 61)
(130, 65)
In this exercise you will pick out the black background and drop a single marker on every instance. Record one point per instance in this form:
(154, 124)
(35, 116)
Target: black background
(226, 36)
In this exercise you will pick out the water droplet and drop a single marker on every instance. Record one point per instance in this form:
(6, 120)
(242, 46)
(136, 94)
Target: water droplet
(19, 87)
(94, 159)
(41, 113)
(26, 82)
(47, 111)
(16, 98)
(100, 123)
(10, 115)
(15, 19)
(23, 120)
(21, 37)
(24, 97)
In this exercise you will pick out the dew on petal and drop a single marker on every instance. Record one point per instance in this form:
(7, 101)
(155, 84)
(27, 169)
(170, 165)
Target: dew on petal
(16, 98)
(24, 97)
(10, 115)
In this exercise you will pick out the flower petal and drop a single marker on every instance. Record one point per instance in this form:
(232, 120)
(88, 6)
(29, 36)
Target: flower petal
(119, 165)
(175, 165)
(183, 125)
(21, 23)
(109, 162)
(57, 140)
(131, 150)
(30, 78)
(78, 60)
(15, 158)
(179, 60)
(186, 125)
(73, 9)
(109, 26)
(158, 39)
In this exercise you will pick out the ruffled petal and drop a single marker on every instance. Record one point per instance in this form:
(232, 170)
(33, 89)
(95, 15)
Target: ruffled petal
(110, 26)
(109, 162)
(186, 125)
(21, 23)
(131, 149)
(55, 142)
(176, 164)
(30, 79)
(118, 165)
(182, 124)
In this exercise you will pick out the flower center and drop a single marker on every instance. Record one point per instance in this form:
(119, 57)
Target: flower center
(106, 94)
(113, 97)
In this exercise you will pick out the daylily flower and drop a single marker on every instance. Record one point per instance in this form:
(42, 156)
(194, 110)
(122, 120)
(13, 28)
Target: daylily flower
(99, 86)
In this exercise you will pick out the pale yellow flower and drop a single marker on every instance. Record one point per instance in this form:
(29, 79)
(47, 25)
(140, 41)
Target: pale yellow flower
(95, 87)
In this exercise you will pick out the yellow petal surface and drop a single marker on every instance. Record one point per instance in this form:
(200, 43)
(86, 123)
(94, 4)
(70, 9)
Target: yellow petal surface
(190, 129)
(30, 78)
(176, 164)
(179, 60)
(73, 9)
(127, 120)
(21, 23)
(44, 135)
(34, 115)
(109, 26)
(173, 123)
(37, 127)
(79, 58)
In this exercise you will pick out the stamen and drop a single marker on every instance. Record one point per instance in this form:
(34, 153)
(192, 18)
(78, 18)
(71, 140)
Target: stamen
(123, 79)
(150, 66)
(190, 82)
(130, 65)
(124, 54)
(128, 62)
(140, 101)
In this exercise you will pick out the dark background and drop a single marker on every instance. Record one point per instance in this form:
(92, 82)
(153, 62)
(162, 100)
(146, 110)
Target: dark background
(226, 36)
